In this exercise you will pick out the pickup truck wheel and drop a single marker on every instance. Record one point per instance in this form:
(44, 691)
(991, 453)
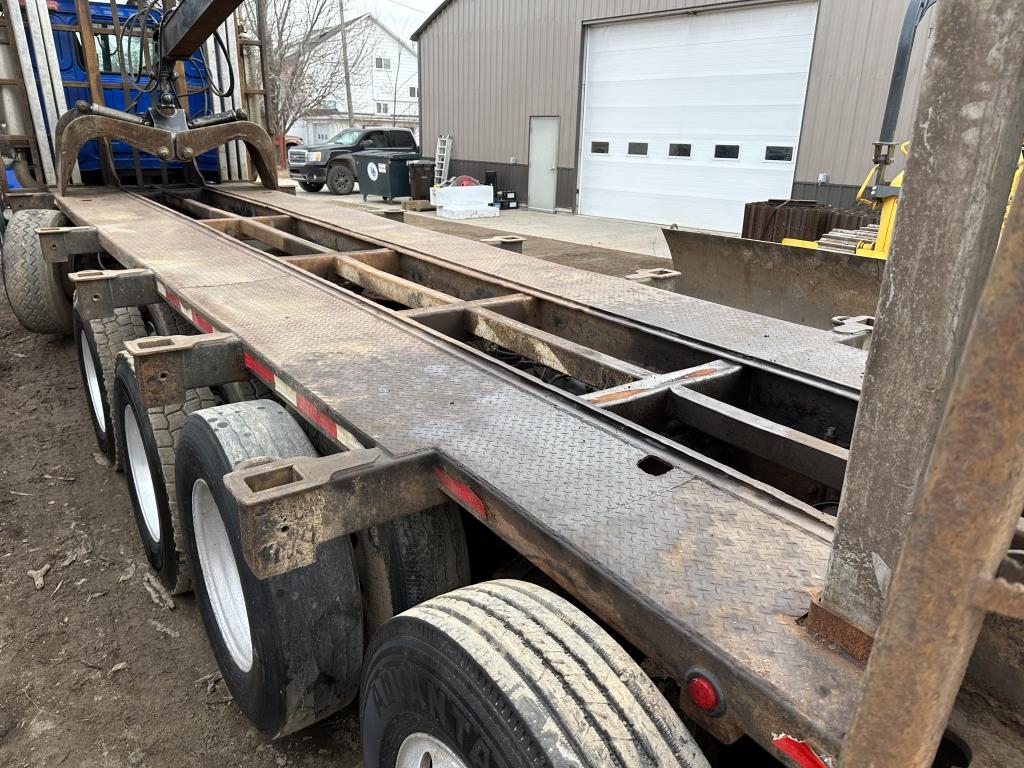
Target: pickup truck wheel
(311, 186)
(505, 673)
(37, 292)
(289, 647)
(98, 343)
(340, 180)
(149, 438)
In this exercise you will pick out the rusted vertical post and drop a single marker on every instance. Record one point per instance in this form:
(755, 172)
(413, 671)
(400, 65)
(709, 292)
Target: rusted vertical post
(125, 90)
(967, 132)
(962, 524)
(92, 74)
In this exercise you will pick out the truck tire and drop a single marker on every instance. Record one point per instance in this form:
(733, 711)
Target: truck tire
(311, 186)
(162, 320)
(340, 180)
(289, 647)
(38, 292)
(407, 561)
(98, 343)
(149, 438)
(505, 673)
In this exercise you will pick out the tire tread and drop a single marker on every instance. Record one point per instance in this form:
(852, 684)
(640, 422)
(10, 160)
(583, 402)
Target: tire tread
(37, 299)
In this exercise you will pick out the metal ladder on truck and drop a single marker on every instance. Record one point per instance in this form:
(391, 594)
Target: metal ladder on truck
(442, 156)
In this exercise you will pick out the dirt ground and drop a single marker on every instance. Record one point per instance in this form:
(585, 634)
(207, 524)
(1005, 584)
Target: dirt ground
(93, 672)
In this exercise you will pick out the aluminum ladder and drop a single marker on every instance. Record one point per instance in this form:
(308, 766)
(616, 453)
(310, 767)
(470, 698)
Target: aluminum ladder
(442, 156)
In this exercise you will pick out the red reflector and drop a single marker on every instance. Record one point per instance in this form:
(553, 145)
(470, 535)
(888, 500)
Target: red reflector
(703, 693)
(798, 752)
(258, 369)
(318, 417)
(201, 322)
(462, 493)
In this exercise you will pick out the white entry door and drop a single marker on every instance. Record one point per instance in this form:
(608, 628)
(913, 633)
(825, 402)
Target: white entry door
(687, 118)
(543, 176)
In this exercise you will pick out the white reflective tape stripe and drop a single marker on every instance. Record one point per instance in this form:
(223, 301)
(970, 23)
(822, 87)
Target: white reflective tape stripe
(161, 289)
(346, 438)
(285, 391)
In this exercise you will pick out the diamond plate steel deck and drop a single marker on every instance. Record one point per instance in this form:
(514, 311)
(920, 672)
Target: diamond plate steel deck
(693, 566)
(808, 351)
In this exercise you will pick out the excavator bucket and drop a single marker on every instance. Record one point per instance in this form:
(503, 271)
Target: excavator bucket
(803, 285)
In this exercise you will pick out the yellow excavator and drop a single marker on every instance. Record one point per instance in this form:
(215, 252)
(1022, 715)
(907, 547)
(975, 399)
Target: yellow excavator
(877, 239)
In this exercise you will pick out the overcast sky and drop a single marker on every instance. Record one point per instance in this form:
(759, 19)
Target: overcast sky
(402, 16)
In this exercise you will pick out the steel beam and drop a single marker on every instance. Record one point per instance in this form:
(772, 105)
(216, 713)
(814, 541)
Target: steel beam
(789, 448)
(101, 291)
(59, 244)
(583, 363)
(930, 286)
(288, 507)
(512, 243)
(963, 520)
(166, 366)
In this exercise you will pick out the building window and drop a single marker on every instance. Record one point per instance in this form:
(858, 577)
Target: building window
(782, 154)
(727, 151)
(599, 147)
(678, 150)
(382, 107)
(637, 148)
(381, 63)
(414, 92)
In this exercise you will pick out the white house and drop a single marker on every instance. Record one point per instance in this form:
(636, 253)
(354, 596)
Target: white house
(385, 82)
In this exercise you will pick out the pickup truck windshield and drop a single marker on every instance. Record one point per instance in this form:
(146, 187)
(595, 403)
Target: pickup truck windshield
(348, 136)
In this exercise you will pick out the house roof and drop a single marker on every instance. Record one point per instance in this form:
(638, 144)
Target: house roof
(415, 36)
(328, 32)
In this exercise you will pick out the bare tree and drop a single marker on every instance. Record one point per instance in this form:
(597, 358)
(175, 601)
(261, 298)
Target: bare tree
(304, 57)
(396, 83)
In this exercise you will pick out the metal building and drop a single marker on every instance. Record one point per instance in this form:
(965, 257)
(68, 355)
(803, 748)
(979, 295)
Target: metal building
(669, 111)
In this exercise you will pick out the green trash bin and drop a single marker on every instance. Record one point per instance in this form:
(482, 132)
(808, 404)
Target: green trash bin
(383, 173)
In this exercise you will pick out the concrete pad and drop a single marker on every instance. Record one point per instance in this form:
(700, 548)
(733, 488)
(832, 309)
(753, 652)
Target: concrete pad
(613, 234)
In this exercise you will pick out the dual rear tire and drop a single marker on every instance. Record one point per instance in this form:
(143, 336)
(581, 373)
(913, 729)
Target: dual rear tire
(289, 647)
(507, 674)
(148, 438)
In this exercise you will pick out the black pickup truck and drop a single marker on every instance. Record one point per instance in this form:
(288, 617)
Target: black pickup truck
(315, 165)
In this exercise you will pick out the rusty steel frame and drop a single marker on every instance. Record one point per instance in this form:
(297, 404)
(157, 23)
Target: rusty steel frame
(935, 268)
(288, 488)
(288, 507)
(965, 516)
(101, 291)
(512, 522)
(167, 366)
(962, 523)
(583, 345)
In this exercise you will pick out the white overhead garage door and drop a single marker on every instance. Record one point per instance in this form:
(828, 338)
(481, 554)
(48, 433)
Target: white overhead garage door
(686, 118)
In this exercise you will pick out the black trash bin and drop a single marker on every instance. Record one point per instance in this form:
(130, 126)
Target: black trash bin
(421, 178)
(383, 173)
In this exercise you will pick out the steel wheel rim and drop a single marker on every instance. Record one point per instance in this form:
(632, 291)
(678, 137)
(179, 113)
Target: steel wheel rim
(92, 385)
(220, 575)
(142, 476)
(421, 750)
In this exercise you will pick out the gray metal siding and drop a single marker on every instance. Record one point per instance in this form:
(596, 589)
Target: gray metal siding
(488, 65)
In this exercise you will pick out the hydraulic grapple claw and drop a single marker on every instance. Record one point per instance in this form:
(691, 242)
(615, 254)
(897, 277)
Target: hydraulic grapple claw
(173, 142)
